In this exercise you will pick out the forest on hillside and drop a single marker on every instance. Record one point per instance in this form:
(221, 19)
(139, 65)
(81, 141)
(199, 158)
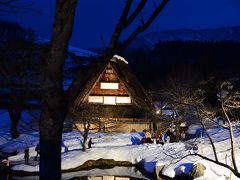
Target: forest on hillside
(189, 59)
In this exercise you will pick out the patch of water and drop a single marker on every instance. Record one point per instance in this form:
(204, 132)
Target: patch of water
(116, 173)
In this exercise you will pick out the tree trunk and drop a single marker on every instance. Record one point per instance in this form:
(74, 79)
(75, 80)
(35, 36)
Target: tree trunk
(85, 136)
(50, 138)
(84, 142)
(54, 102)
(233, 146)
(177, 133)
(15, 116)
(99, 126)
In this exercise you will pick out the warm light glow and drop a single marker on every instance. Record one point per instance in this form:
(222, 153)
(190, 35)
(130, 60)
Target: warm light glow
(158, 112)
(109, 71)
(123, 100)
(95, 99)
(109, 100)
(108, 85)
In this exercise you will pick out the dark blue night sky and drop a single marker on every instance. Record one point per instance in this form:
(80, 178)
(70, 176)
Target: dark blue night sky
(96, 18)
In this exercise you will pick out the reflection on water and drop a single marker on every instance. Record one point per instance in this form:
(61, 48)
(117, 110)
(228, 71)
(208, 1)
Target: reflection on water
(116, 173)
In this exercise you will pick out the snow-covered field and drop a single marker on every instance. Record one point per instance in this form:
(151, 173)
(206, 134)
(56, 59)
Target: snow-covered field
(122, 147)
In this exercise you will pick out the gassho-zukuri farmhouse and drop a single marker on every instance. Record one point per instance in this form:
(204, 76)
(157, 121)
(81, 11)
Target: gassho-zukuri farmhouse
(112, 98)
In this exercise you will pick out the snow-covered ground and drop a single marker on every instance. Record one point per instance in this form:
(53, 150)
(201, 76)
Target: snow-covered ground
(123, 147)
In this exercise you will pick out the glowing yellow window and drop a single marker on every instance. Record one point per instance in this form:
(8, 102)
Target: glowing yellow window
(95, 99)
(109, 100)
(106, 85)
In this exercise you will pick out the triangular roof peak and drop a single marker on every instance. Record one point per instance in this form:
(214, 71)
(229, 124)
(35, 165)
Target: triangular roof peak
(124, 73)
(120, 58)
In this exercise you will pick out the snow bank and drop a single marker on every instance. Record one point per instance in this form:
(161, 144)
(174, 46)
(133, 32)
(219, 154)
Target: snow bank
(24, 167)
(121, 147)
(27, 137)
(194, 129)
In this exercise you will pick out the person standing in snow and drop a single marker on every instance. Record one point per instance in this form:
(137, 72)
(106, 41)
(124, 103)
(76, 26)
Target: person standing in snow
(90, 143)
(183, 135)
(163, 138)
(168, 139)
(26, 155)
(37, 149)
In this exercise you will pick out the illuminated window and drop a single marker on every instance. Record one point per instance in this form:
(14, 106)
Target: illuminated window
(95, 99)
(109, 100)
(109, 71)
(123, 100)
(108, 85)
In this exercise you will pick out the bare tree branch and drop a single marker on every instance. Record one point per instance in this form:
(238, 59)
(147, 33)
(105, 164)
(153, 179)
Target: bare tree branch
(233, 152)
(125, 21)
(211, 141)
(121, 24)
(136, 12)
(228, 101)
(148, 22)
(235, 172)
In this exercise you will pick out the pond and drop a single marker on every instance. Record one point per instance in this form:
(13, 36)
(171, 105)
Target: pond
(116, 173)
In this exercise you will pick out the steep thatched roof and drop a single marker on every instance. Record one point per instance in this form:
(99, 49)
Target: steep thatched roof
(120, 66)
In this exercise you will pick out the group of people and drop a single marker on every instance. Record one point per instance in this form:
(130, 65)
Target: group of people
(26, 153)
(156, 139)
(162, 138)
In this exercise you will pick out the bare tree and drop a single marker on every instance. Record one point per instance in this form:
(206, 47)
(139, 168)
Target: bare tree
(87, 119)
(14, 68)
(229, 98)
(56, 103)
(127, 18)
(230, 101)
(177, 95)
(16, 110)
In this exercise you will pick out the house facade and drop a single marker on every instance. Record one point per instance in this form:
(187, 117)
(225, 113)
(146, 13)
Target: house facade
(114, 98)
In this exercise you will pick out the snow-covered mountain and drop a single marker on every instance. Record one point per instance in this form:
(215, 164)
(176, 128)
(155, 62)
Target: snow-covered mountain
(75, 60)
(219, 34)
(71, 49)
(81, 52)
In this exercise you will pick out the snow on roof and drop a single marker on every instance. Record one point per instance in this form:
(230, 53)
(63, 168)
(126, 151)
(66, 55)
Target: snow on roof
(120, 58)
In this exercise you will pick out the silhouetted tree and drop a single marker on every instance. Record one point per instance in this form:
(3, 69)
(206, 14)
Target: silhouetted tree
(128, 18)
(55, 102)
(229, 101)
(18, 71)
(87, 121)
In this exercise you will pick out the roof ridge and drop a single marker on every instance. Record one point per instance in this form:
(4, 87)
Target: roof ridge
(120, 58)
